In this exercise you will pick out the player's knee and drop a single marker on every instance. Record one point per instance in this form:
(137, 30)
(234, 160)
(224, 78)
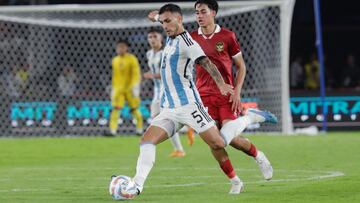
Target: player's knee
(149, 137)
(146, 139)
(217, 144)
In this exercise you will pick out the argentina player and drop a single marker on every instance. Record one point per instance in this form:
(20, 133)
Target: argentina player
(180, 99)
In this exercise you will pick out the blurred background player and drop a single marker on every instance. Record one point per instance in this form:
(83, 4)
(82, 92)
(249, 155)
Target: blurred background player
(222, 47)
(155, 40)
(126, 78)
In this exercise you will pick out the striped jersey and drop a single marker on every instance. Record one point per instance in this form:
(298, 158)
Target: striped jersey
(179, 55)
(154, 61)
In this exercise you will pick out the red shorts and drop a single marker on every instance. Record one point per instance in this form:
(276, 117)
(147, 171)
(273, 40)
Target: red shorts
(219, 108)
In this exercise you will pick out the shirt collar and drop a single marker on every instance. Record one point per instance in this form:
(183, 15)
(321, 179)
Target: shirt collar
(217, 29)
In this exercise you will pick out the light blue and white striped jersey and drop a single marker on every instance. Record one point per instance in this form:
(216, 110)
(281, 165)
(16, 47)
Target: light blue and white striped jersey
(179, 55)
(154, 62)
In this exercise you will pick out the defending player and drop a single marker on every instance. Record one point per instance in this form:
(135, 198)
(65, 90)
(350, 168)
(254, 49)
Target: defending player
(126, 80)
(222, 48)
(180, 99)
(153, 56)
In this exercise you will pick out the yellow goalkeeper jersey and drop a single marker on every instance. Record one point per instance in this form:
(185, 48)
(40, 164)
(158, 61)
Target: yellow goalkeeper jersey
(125, 72)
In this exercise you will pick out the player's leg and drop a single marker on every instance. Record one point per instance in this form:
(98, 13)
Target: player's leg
(155, 134)
(236, 126)
(117, 102)
(190, 136)
(213, 139)
(152, 136)
(178, 148)
(196, 117)
(250, 149)
(227, 119)
(175, 140)
(134, 103)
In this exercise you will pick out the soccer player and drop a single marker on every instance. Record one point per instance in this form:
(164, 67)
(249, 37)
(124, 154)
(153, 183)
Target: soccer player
(155, 40)
(126, 78)
(180, 99)
(222, 48)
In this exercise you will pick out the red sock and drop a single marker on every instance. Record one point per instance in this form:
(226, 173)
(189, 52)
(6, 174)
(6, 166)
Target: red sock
(252, 151)
(228, 169)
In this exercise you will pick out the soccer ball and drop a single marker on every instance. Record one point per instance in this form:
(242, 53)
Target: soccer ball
(122, 188)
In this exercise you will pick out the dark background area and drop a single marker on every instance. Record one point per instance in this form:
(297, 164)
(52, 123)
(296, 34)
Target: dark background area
(341, 30)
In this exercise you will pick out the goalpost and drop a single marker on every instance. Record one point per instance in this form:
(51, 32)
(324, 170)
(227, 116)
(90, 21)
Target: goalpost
(55, 62)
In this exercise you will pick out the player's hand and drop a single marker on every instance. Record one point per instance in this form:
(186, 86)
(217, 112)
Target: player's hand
(152, 14)
(148, 75)
(236, 102)
(226, 89)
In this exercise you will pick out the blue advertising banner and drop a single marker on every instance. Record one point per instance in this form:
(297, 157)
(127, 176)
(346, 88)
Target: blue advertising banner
(342, 111)
(91, 117)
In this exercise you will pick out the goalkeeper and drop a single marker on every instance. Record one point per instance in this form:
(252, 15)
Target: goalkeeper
(125, 86)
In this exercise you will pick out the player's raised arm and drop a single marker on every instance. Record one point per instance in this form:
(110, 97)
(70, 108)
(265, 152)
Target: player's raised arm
(205, 62)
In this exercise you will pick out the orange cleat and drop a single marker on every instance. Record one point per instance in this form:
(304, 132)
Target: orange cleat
(177, 153)
(191, 136)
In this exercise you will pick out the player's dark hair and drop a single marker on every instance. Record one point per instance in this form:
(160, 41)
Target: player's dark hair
(123, 41)
(173, 8)
(155, 29)
(212, 4)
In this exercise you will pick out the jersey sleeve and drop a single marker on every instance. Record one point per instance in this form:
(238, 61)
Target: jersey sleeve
(234, 45)
(192, 49)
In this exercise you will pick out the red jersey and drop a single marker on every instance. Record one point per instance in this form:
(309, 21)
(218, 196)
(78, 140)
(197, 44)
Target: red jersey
(220, 47)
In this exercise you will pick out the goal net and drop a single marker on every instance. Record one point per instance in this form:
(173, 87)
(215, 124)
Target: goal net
(55, 62)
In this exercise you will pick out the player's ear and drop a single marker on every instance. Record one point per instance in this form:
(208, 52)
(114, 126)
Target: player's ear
(213, 13)
(179, 18)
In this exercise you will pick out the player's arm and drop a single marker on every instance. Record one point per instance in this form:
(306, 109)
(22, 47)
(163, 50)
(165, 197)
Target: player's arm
(197, 55)
(235, 51)
(239, 81)
(205, 62)
(150, 75)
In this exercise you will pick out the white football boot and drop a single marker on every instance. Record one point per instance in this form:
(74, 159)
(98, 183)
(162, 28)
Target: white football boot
(264, 165)
(236, 187)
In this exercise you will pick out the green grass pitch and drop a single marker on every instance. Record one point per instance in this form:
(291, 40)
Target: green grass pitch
(323, 168)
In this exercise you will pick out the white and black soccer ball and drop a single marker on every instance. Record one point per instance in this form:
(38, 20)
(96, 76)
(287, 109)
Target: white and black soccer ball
(122, 188)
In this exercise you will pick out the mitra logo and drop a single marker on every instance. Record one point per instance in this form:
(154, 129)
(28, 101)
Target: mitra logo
(340, 111)
(45, 114)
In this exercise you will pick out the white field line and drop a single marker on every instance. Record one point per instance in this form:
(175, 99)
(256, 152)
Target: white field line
(155, 168)
(323, 175)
